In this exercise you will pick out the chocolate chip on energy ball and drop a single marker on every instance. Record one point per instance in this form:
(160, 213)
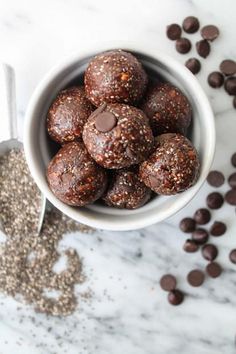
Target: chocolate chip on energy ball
(200, 236)
(215, 178)
(233, 159)
(190, 246)
(232, 180)
(202, 216)
(194, 65)
(210, 32)
(230, 85)
(230, 197)
(191, 24)
(105, 122)
(209, 252)
(218, 228)
(183, 45)
(215, 79)
(168, 282)
(214, 200)
(187, 225)
(173, 31)
(195, 277)
(232, 256)
(213, 269)
(203, 48)
(175, 297)
(228, 67)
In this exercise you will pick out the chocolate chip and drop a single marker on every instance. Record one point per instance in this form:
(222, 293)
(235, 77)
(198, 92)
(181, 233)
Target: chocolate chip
(232, 256)
(203, 48)
(230, 85)
(200, 236)
(232, 180)
(105, 122)
(228, 67)
(213, 269)
(214, 200)
(209, 252)
(230, 197)
(202, 216)
(215, 178)
(183, 45)
(215, 79)
(190, 246)
(191, 24)
(187, 225)
(210, 32)
(218, 228)
(195, 277)
(175, 297)
(194, 65)
(173, 31)
(168, 282)
(233, 159)
(234, 102)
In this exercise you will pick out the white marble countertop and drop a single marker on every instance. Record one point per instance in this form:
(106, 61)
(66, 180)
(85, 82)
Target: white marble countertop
(128, 312)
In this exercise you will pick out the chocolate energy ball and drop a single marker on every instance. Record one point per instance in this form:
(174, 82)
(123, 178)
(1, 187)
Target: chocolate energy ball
(115, 77)
(68, 114)
(117, 135)
(126, 191)
(173, 167)
(167, 108)
(74, 177)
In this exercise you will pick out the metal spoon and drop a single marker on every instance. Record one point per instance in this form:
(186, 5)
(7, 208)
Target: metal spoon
(8, 121)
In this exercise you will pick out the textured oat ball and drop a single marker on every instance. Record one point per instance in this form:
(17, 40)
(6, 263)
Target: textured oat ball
(68, 114)
(74, 177)
(126, 191)
(173, 167)
(115, 77)
(167, 108)
(117, 136)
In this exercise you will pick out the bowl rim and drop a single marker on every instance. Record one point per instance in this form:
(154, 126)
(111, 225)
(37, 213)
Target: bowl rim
(74, 213)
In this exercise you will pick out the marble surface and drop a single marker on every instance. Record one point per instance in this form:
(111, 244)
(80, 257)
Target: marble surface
(128, 312)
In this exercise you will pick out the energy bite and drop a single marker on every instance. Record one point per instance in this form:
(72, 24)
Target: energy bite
(68, 114)
(74, 177)
(126, 191)
(173, 167)
(115, 77)
(167, 108)
(118, 136)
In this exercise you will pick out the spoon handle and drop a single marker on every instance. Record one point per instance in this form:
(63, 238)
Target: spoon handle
(8, 118)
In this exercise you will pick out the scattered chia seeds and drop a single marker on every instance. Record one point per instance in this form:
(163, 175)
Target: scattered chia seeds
(26, 257)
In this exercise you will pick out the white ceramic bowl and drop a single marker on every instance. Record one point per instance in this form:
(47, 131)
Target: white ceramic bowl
(39, 152)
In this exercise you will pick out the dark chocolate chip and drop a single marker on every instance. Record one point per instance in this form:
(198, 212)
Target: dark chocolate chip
(215, 200)
(234, 102)
(218, 228)
(213, 269)
(190, 24)
(200, 236)
(187, 225)
(105, 122)
(173, 31)
(175, 297)
(194, 65)
(183, 45)
(195, 277)
(232, 180)
(190, 246)
(215, 178)
(210, 32)
(232, 256)
(168, 282)
(230, 86)
(215, 79)
(209, 252)
(228, 67)
(230, 197)
(203, 48)
(233, 159)
(202, 216)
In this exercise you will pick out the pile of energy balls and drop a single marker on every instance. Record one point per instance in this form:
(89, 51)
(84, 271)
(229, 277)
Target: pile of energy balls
(122, 136)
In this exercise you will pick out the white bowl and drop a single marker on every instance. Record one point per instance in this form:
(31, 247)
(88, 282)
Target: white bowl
(39, 152)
